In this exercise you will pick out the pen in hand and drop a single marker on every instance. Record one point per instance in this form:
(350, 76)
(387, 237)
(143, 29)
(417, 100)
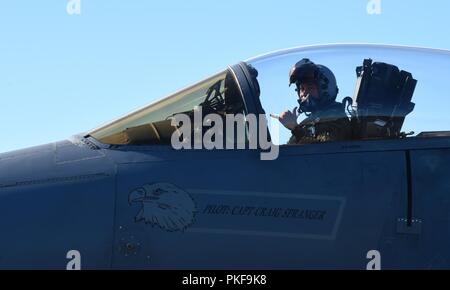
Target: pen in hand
(275, 116)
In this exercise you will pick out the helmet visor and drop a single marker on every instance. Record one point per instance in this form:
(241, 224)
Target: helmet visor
(305, 73)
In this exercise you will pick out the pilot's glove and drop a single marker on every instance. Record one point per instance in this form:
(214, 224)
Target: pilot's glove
(289, 119)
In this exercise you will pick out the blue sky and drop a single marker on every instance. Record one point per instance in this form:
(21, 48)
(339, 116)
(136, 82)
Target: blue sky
(63, 74)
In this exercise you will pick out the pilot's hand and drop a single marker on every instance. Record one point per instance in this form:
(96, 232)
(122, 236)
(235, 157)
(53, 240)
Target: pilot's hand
(289, 119)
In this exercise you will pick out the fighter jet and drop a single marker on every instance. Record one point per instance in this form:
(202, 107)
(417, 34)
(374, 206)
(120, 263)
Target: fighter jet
(123, 196)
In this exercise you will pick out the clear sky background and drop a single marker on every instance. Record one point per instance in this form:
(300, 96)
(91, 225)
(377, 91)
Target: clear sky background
(64, 74)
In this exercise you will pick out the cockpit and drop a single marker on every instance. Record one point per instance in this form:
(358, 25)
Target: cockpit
(387, 92)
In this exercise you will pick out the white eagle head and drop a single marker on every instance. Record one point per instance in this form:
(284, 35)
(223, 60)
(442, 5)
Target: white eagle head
(164, 205)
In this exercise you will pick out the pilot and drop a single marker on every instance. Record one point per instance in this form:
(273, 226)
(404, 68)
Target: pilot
(317, 91)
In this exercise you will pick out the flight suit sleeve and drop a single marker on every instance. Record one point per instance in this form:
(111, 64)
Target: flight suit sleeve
(336, 130)
(298, 133)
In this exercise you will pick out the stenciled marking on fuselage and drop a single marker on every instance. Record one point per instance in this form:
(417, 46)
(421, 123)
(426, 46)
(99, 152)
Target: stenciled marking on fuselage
(268, 214)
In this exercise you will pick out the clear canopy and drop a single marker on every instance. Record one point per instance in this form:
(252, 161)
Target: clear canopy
(152, 125)
(431, 69)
